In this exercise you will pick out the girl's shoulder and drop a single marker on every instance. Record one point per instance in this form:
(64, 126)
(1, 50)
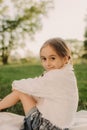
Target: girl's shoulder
(66, 70)
(67, 67)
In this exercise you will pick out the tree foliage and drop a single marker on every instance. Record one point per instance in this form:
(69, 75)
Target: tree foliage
(85, 41)
(18, 18)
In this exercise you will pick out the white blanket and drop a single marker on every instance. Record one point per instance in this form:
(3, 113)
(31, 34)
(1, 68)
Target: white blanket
(10, 121)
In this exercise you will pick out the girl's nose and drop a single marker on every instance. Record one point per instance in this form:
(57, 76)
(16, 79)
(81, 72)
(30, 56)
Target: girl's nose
(48, 63)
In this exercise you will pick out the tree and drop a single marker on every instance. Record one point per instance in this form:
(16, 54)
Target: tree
(76, 47)
(85, 41)
(18, 18)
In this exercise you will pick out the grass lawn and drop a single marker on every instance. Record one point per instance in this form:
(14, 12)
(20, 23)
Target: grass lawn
(10, 73)
(81, 75)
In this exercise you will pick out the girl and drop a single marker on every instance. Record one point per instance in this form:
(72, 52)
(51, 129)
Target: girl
(50, 101)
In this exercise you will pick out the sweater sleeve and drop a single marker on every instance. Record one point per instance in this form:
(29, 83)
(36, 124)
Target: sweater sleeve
(39, 86)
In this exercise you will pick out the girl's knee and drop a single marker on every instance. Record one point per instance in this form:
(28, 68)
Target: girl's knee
(25, 96)
(19, 94)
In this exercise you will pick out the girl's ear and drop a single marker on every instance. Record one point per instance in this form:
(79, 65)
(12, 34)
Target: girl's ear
(66, 59)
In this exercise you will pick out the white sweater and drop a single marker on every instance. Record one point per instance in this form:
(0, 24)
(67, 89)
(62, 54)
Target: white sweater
(56, 92)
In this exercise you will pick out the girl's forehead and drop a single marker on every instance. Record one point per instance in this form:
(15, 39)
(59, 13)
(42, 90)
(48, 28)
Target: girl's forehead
(47, 47)
(48, 50)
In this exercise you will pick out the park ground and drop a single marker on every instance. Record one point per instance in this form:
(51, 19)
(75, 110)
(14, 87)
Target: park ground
(8, 73)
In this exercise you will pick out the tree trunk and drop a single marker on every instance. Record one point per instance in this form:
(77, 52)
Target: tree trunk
(5, 59)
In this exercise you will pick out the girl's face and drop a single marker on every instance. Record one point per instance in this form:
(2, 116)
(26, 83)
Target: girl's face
(50, 59)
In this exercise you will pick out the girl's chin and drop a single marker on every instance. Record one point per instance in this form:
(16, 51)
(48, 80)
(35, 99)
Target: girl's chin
(50, 69)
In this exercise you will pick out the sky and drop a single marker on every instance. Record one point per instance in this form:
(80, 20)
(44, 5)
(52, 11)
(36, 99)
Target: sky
(66, 20)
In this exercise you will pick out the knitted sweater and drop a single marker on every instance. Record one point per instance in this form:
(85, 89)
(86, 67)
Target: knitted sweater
(56, 93)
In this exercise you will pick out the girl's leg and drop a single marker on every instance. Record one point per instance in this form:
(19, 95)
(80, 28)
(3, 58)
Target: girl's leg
(27, 101)
(9, 100)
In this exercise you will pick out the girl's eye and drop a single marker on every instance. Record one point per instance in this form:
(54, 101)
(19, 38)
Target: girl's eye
(53, 58)
(43, 59)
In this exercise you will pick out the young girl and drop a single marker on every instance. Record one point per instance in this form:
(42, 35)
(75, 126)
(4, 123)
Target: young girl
(49, 101)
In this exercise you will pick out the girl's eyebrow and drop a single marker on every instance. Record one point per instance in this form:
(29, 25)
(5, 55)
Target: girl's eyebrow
(42, 56)
(49, 56)
(52, 55)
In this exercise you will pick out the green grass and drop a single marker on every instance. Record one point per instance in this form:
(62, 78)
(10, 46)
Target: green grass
(81, 75)
(9, 73)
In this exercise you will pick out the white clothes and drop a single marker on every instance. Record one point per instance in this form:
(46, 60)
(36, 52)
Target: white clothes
(56, 93)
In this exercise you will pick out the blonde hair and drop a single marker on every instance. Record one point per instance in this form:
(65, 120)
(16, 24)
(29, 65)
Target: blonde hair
(59, 46)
